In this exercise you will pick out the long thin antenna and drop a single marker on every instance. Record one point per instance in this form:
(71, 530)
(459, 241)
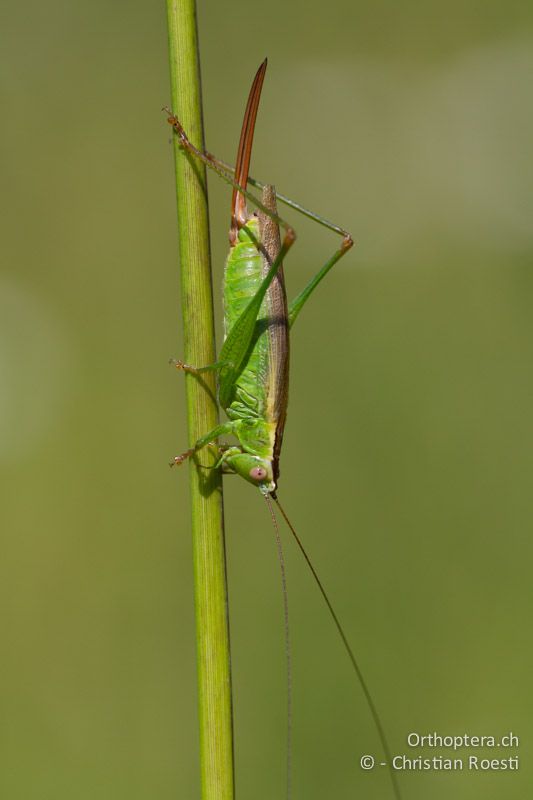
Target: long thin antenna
(351, 656)
(281, 559)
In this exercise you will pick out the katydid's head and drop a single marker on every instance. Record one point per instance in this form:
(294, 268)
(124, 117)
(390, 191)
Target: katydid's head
(254, 470)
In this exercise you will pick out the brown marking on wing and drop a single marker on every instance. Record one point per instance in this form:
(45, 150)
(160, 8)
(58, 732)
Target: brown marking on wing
(239, 213)
(277, 391)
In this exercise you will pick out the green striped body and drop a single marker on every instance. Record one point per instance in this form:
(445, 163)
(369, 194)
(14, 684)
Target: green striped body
(258, 398)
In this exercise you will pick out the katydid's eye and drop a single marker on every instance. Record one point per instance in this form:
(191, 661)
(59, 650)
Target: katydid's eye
(258, 473)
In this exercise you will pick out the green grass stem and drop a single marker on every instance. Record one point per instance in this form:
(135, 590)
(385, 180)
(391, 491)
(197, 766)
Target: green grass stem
(212, 630)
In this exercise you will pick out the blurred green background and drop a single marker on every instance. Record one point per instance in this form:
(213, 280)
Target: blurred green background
(408, 452)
